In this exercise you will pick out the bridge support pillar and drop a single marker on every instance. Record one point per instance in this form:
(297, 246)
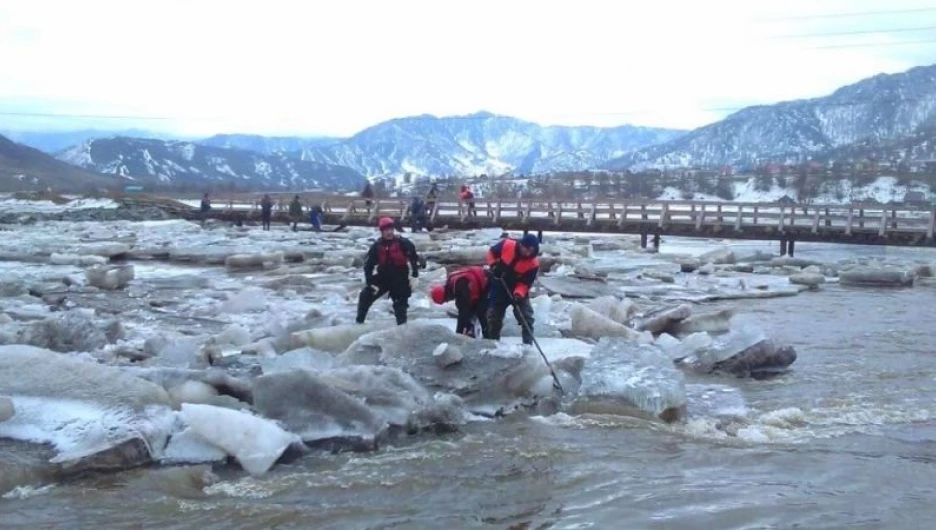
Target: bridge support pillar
(643, 240)
(790, 244)
(539, 236)
(783, 246)
(656, 241)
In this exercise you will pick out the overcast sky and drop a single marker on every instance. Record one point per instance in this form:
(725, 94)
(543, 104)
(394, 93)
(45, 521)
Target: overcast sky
(334, 67)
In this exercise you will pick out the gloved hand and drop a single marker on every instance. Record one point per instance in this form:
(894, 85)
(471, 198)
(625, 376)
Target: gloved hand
(415, 273)
(498, 270)
(519, 295)
(373, 288)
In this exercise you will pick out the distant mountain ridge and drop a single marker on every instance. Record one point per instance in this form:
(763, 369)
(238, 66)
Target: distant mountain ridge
(481, 143)
(267, 145)
(166, 163)
(883, 108)
(26, 168)
(52, 142)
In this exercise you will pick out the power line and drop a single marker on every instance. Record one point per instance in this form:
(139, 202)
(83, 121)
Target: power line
(855, 32)
(855, 14)
(871, 44)
(86, 116)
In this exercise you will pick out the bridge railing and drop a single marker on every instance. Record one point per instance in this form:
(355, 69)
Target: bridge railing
(847, 218)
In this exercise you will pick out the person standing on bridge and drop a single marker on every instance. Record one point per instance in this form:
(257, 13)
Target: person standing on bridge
(469, 288)
(467, 196)
(295, 212)
(419, 218)
(266, 210)
(431, 197)
(513, 266)
(315, 217)
(368, 195)
(395, 259)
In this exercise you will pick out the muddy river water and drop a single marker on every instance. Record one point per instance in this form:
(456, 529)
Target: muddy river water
(846, 439)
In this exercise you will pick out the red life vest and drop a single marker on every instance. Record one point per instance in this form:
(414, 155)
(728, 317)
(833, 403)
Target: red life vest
(391, 254)
(477, 282)
(518, 266)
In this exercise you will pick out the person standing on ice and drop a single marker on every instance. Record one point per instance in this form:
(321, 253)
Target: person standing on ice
(266, 211)
(469, 288)
(395, 259)
(512, 264)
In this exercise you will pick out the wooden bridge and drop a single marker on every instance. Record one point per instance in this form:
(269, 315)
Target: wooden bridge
(870, 224)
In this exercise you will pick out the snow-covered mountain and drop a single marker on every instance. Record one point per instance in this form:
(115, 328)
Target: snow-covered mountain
(481, 143)
(181, 163)
(919, 146)
(25, 168)
(267, 145)
(882, 108)
(52, 142)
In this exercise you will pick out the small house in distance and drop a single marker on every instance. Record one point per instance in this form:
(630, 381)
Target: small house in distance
(786, 200)
(915, 198)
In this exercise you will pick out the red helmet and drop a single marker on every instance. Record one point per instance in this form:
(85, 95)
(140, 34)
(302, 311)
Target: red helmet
(437, 293)
(385, 222)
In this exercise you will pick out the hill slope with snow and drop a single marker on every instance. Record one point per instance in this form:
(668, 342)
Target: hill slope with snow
(481, 143)
(883, 108)
(179, 163)
(26, 168)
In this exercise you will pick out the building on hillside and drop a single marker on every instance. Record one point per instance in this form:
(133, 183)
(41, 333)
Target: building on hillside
(773, 169)
(786, 200)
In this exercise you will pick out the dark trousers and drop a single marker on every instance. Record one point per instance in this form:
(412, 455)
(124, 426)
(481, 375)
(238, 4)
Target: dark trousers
(497, 309)
(466, 315)
(265, 219)
(419, 222)
(399, 290)
(316, 219)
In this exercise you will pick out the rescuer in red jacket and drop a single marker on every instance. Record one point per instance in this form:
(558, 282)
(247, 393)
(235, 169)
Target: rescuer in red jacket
(513, 264)
(395, 259)
(469, 288)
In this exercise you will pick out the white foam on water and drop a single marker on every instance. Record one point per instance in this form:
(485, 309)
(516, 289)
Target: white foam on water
(25, 492)
(245, 488)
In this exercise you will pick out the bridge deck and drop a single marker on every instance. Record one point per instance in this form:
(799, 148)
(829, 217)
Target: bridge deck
(850, 223)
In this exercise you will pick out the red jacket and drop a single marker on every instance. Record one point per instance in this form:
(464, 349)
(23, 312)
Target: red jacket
(521, 272)
(473, 287)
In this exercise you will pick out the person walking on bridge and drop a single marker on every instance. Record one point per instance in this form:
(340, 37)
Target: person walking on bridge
(266, 210)
(395, 259)
(513, 266)
(467, 196)
(295, 212)
(468, 286)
